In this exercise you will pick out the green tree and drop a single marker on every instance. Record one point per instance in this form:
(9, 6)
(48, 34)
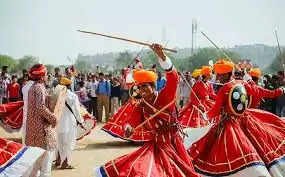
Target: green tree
(123, 60)
(81, 65)
(203, 56)
(278, 63)
(6, 60)
(50, 68)
(26, 62)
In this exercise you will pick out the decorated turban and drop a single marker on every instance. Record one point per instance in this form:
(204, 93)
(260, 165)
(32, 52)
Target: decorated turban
(144, 76)
(38, 71)
(254, 72)
(223, 66)
(65, 81)
(196, 72)
(206, 70)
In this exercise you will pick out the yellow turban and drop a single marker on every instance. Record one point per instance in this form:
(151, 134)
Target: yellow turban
(65, 81)
(206, 70)
(223, 66)
(144, 76)
(196, 72)
(254, 72)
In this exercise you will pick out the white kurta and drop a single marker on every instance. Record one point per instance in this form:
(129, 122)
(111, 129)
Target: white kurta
(25, 91)
(67, 127)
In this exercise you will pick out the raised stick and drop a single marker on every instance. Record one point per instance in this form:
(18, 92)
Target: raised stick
(223, 52)
(128, 40)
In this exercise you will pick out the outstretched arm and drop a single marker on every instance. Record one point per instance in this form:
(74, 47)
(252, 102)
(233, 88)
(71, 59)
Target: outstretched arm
(169, 91)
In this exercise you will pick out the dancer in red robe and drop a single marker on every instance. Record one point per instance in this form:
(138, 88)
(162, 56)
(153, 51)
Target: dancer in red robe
(242, 143)
(254, 101)
(156, 117)
(202, 99)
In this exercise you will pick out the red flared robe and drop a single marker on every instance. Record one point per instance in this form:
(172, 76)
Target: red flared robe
(115, 126)
(164, 154)
(191, 114)
(251, 144)
(262, 93)
(11, 114)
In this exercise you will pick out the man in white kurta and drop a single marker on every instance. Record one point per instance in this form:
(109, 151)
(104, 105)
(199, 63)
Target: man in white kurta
(67, 126)
(25, 91)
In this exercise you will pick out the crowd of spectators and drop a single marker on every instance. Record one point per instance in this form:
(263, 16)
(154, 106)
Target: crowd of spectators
(98, 91)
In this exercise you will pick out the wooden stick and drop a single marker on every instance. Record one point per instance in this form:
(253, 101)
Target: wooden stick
(219, 49)
(128, 40)
(154, 115)
(280, 52)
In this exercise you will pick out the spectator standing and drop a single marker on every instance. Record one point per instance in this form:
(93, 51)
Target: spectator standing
(68, 74)
(115, 95)
(56, 77)
(82, 93)
(14, 89)
(103, 95)
(23, 78)
(88, 88)
(185, 89)
(160, 82)
(124, 96)
(4, 82)
(280, 101)
(93, 97)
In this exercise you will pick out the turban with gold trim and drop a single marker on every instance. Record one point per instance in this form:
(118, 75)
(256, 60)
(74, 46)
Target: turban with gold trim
(196, 72)
(144, 76)
(223, 66)
(37, 71)
(65, 81)
(254, 72)
(206, 70)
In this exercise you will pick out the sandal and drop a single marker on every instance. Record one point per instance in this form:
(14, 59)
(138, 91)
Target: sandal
(69, 167)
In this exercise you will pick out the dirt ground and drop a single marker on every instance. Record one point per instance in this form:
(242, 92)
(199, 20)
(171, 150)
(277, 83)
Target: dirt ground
(94, 150)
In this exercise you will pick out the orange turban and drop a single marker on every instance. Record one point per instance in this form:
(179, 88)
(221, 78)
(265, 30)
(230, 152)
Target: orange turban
(37, 71)
(206, 70)
(254, 72)
(65, 81)
(144, 76)
(196, 72)
(223, 66)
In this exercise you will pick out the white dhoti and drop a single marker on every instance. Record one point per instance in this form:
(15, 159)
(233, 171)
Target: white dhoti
(67, 127)
(65, 145)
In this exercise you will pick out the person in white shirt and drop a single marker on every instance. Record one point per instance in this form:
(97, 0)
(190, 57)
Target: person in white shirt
(25, 91)
(93, 96)
(67, 127)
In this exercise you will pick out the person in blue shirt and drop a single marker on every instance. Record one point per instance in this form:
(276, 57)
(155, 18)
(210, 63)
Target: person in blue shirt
(103, 93)
(160, 83)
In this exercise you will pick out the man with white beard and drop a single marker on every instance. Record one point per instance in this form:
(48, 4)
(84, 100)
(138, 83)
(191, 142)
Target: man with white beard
(67, 126)
(25, 91)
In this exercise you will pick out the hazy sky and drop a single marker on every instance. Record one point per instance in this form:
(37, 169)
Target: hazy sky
(47, 28)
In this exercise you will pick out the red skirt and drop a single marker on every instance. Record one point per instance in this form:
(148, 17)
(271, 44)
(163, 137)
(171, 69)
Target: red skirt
(126, 114)
(255, 139)
(166, 156)
(11, 114)
(191, 117)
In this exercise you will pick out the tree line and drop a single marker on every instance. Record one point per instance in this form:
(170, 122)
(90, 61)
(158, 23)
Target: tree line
(123, 59)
